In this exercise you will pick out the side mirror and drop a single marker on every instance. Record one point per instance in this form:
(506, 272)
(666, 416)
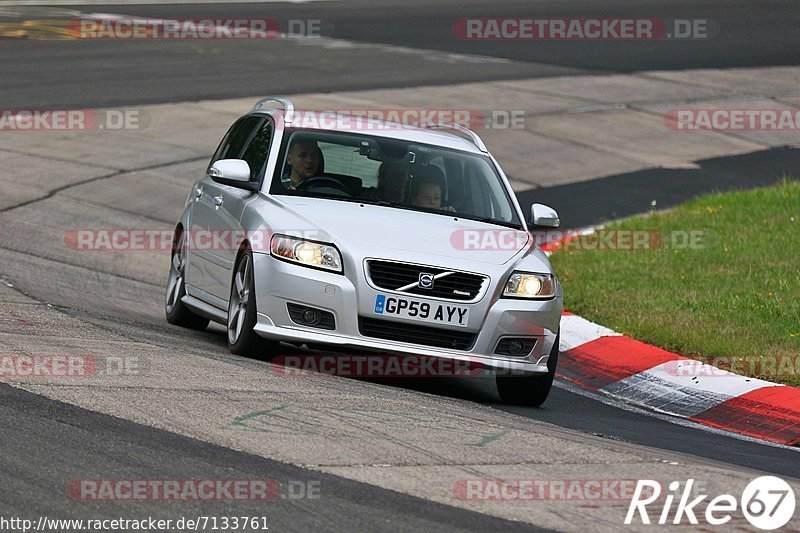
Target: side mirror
(543, 216)
(234, 172)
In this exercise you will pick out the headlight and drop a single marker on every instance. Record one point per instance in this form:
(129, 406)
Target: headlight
(308, 253)
(528, 285)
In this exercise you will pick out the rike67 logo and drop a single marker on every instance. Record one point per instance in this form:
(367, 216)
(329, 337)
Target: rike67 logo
(767, 503)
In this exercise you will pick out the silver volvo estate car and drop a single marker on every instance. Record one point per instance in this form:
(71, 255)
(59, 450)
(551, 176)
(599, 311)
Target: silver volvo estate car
(324, 229)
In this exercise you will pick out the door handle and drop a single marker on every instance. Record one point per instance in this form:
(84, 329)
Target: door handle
(198, 192)
(217, 201)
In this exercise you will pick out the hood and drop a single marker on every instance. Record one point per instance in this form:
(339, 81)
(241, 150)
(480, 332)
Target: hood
(391, 232)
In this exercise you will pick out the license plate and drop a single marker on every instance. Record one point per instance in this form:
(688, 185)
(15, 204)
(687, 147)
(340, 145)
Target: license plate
(431, 312)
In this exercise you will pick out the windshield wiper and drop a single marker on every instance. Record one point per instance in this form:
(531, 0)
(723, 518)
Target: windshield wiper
(370, 201)
(490, 220)
(384, 203)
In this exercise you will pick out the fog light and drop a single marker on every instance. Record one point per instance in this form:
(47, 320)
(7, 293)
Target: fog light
(515, 347)
(308, 316)
(311, 317)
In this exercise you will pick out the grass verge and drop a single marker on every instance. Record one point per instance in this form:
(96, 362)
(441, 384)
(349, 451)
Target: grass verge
(717, 279)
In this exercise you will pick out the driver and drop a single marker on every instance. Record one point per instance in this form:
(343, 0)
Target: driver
(303, 161)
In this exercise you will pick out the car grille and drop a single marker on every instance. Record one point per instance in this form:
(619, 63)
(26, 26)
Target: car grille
(392, 276)
(426, 335)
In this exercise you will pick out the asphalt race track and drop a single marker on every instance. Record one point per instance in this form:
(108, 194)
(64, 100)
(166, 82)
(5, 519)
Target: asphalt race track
(150, 453)
(384, 453)
(97, 74)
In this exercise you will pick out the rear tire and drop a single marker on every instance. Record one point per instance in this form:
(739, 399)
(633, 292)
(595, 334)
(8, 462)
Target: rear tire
(176, 311)
(531, 391)
(242, 311)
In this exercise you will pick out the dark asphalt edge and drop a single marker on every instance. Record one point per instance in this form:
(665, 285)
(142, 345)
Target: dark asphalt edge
(600, 200)
(364, 501)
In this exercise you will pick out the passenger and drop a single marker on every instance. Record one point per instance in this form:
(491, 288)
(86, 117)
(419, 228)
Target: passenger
(303, 161)
(393, 181)
(427, 189)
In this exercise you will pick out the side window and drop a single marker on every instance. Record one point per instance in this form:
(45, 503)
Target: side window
(233, 143)
(257, 151)
(223, 145)
(239, 138)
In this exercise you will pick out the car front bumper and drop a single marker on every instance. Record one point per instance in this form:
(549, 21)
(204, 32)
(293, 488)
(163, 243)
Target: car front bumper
(278, 283)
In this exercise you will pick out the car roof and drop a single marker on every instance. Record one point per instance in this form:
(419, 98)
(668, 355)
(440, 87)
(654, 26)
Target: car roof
(320, 121)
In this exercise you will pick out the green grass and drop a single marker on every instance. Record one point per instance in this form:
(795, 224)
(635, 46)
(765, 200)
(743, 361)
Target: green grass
(735, 296)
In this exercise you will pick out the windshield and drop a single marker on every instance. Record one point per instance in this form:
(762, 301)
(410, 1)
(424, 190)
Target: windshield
(393, 172)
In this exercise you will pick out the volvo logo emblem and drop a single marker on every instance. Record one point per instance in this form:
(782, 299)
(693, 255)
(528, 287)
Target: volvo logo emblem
(425, 281)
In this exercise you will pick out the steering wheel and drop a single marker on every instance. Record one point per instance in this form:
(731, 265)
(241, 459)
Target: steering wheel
(323, 181)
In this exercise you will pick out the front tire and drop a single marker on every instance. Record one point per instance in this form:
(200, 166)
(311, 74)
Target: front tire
(531, 391)
(242, 311)
(176, 311)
